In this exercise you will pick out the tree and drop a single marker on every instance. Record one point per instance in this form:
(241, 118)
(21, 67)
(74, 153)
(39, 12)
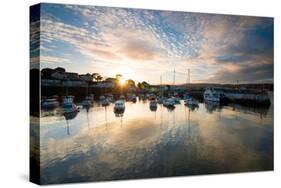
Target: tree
(97, 77)
(139, 85)
(118, 77)
(131, 83)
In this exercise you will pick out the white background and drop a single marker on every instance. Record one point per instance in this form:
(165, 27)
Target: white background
(14, 102)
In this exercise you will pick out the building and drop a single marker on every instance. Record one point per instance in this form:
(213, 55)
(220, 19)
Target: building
(86, 77)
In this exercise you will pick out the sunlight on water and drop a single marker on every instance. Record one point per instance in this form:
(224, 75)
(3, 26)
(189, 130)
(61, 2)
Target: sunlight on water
(97, 145)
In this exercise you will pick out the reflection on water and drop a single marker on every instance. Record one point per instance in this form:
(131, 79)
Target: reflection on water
(98, 144)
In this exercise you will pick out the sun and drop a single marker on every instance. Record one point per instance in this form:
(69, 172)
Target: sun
(122, 81)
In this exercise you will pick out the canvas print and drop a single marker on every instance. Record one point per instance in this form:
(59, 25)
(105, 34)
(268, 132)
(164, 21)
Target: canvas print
(121, 93)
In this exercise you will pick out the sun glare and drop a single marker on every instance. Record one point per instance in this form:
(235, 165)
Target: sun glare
(122, 81)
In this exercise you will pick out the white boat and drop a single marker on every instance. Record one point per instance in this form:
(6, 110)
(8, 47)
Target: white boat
(191, 101)
(50, 103)
(119, 106)
(68, 105)
(122, 97)
(102, 98)
(153, 105)
(210, 94)
(110, 97)
(170, 103)
(105, 102)
(87, 102)
(132, 97)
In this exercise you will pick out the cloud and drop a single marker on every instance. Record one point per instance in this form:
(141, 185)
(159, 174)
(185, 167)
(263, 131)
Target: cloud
(52, 59)
(218, 47)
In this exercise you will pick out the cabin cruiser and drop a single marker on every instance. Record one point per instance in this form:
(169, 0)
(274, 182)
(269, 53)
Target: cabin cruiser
(211, 94)
(169, 103)
(153, 105)
(68, 105)
(50, 103)
(119, 106)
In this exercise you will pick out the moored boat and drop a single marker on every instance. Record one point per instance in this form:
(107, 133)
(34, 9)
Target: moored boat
(87, 102)
(211, 94)
(132, 97)
(119, 106)
(105, 102)
(50, 103)
(176, 100)
(191, 101)
(68, 105)
(169, 103)
(153, 105)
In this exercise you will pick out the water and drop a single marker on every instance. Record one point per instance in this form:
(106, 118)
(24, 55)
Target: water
(96, 145)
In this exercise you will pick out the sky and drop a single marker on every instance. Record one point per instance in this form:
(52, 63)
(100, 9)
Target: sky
(146, 45)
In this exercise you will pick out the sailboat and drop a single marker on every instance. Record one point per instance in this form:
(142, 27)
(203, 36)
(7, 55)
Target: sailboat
(188, 99)
(87, 102)
(68, 104)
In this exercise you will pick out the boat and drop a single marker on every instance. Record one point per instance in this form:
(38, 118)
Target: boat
(160, 100)
(211, 94)
(169, 103)
(239, 95)
(151, 96)
(110, 97)
(153, 105)
(68, 105)
(191, 101)
(122, 97)
(50, 103)
(176, 100)
(119, 106)
(247, 96)
(132, 97)
(101, 98)
(105, 102)
(87, 102)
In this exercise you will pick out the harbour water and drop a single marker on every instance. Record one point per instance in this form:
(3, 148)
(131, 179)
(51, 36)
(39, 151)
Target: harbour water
(97, 145)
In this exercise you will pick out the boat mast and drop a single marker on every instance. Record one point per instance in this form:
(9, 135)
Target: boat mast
(87, 89)
(161, 85)
(188, 79)
(174, 77)
(67, 82)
